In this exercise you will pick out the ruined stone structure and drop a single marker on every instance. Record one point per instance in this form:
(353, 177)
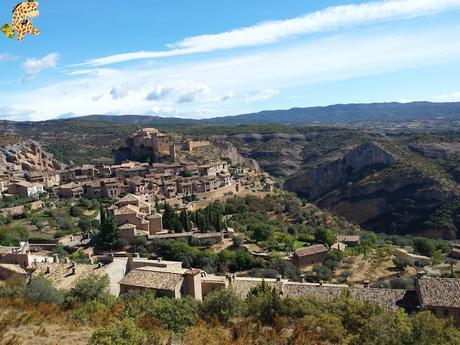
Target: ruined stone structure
(148, 144)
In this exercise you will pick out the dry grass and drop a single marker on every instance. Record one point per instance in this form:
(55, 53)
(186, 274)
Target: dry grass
(44, 326)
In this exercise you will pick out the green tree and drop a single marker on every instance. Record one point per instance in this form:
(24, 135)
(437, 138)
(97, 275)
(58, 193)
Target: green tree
(185, 221)
(108, 237)
(424, 246)
(322, 272)
(222, 304)
(260, 231)
(325, 236)
(264, 303)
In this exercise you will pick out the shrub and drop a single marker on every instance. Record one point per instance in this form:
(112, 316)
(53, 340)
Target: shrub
(424, 246)
(400, 263)
(176, 314)
(221, 304)
(322, 272)
(263, 303)
(90, 289)
(124, 332)
(41, 291)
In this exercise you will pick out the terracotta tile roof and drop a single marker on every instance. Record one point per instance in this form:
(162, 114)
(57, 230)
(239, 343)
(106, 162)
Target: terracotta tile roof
(311, 250)
(439, 292)
(128, 198)
(157, 278)
(128, 209)
(127, 226)
(61, 273)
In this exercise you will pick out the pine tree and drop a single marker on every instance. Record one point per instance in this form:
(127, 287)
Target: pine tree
(184, 219)
(108, 237)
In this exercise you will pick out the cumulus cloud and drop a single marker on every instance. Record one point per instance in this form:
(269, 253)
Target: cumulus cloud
(32, 66)
(160, 92)
(331, 18)
(181, 91)
(119, 91)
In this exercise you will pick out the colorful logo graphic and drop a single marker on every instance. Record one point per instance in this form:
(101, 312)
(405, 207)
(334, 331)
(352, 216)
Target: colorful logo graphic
(21, 23)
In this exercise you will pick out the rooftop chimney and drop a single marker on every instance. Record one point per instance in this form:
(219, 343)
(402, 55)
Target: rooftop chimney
(278, 278)
(55, 258)
(48, 270)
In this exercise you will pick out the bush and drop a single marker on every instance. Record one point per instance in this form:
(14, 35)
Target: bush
(90, 289)
(41, 291)
(263, 303)
(402, 283)
(322, 272)
(424, 246)
(400, 263)
(176, 314)
(124, 332)
(221, 304)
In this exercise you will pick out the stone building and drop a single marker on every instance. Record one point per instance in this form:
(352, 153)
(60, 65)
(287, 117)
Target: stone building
(441, 296)
(310, 255)
(26, 189)
(169, 282)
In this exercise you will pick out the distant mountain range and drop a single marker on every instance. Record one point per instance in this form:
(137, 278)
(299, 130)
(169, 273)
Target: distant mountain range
(340, 113)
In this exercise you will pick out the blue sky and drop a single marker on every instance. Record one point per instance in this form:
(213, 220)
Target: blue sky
(207, 58)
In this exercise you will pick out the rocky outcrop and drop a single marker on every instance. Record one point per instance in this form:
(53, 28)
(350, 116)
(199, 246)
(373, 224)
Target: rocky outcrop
(436, 150)
(326, 176)
(395, 203)
(229, 151)
(27, 156)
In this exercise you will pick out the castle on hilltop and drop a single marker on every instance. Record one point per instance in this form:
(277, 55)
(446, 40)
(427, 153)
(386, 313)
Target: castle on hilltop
(149, 144)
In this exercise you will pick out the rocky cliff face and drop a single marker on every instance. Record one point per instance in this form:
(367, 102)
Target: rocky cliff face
(228, 150)
(397, 203)
(324, 177)
(26, 156)
(399, 184)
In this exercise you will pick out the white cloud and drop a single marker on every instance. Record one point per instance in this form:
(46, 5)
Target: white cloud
(262, 95)
(450, 97)
(32, 66)
(15, 114)
(5, 57)
(208, 81)
(181, 91)
(159, 93)
(119, 91)
(274, 31)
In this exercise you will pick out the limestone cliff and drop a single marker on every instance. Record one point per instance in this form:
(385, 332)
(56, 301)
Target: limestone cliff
(326, 176)
(26, 155)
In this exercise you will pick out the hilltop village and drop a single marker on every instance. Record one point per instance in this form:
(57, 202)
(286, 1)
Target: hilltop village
(182, 219)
